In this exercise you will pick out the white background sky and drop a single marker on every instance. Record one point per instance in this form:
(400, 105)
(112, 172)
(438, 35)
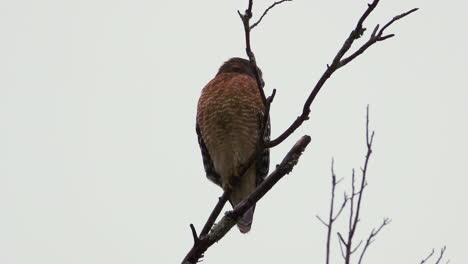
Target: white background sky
(99, 161)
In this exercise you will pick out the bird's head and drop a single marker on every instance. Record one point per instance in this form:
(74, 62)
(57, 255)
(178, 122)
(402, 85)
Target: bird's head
(239, 65)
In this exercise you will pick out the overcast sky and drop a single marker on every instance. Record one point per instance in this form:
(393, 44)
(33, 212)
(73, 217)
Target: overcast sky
(99, 161)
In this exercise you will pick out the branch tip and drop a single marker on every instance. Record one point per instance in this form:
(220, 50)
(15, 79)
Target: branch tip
(271, 97)
(194, 234)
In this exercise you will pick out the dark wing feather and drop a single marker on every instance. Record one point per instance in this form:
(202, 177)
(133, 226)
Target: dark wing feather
(207, 162)
(263, 161)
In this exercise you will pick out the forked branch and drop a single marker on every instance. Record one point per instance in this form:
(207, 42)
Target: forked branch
(371, 237)
(332, 216)
(439, 259)
(339, 62)
(266, 12)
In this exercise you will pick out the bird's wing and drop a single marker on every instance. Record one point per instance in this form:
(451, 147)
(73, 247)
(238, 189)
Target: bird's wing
(262, 164)
(207, 162)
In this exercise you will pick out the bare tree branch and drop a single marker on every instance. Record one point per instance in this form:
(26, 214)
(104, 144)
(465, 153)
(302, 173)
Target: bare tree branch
(231, 217)
(246, 22)
(354, 201)
(357, 247)
(371, 237)
(337, 63)
(351, 199)
(266, 11)
(194, 234)
(343, 205)
(441, 255)
(428, 257)
(215, 213)
(321, 220)
(342, 243)
(331, 216)
(439, 259)
(355, 211)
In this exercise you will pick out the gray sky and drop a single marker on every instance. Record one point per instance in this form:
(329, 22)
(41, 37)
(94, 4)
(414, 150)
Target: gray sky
(99, 161)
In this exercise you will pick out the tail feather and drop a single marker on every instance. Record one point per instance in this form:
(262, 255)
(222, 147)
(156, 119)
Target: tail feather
(245, 222)
(241, 190)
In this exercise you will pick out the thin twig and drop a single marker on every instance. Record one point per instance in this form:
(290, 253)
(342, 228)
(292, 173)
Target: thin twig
(266, 11)
(439, 259)
(353, 194)
(331, 216)
(253, 62)
(342, 243)
(321, 220)
(371, 237)
(343, 205)
(428, 257)
(357, 247)
(441, 255)
(375, 37)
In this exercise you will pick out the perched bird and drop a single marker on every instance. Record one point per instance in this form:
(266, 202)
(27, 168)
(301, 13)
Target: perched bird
(230, 115)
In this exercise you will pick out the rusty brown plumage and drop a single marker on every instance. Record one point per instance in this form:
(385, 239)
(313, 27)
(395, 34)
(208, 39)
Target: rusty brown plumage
(229, 115)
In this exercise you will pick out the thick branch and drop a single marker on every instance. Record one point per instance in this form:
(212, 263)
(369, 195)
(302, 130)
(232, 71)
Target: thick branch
(230, 219)
(337, 63)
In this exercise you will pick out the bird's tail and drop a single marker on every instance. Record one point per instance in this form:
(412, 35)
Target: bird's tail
(245, 222)
(242, 189)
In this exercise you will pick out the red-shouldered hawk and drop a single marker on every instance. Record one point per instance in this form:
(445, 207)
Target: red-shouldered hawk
(229, 119)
